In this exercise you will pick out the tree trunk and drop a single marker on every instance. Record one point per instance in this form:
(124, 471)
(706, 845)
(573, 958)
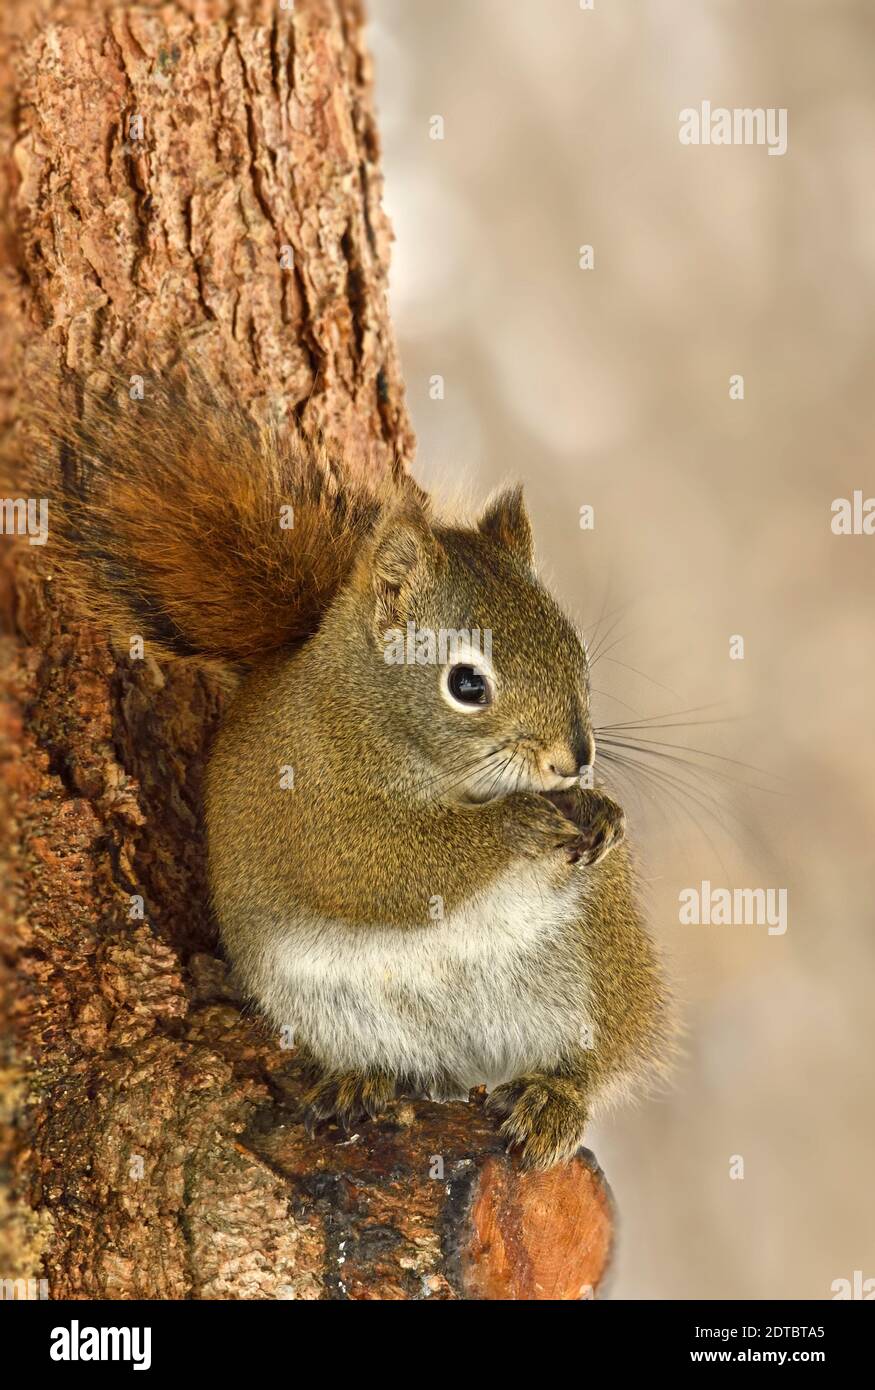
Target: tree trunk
(200, 178)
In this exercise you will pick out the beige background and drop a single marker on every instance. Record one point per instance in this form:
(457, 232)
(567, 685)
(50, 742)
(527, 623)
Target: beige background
(611, 387)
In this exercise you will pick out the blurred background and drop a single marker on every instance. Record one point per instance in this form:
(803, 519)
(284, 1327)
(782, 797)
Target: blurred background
(610, 387)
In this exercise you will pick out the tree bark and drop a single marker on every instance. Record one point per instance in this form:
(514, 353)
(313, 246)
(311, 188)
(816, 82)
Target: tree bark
(200, 178)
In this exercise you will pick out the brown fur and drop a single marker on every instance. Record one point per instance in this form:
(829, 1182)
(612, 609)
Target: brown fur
(166, 521)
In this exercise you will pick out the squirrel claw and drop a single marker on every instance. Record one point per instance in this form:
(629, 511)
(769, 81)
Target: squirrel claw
(537, 825)
(601, 822)
(347, 1098)
(542, 1117)
(583, 825)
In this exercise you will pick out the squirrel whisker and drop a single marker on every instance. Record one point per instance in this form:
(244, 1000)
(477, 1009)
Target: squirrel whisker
(657, 748)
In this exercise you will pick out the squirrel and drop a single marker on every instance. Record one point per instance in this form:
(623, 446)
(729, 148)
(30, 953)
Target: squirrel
(406, 866)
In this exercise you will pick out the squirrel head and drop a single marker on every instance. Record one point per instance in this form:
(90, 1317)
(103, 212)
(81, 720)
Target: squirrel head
(474, 666)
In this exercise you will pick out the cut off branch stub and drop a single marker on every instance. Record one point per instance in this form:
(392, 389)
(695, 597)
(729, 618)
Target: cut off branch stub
(427, 1204)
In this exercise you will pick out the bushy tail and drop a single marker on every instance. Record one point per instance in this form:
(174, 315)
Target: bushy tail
(180, 519)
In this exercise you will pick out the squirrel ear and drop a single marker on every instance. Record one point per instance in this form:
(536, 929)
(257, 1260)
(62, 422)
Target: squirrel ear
(506, 521)
(402, 543)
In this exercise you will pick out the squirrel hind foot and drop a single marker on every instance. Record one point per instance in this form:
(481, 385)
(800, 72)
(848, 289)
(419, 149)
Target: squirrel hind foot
(347, 1098)
(542, 1118)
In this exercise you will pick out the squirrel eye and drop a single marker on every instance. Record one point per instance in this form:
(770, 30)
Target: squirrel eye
(468, 686)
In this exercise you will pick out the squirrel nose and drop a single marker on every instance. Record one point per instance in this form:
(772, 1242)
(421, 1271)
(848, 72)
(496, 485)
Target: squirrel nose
(583, 750)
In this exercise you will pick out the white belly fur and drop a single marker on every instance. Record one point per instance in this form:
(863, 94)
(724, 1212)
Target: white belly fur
(482, 996)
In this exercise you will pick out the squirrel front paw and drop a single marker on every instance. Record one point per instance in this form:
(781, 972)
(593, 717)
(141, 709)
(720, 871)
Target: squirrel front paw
(533, 825)
(600, 823)
(543, 1117)
(347, 1097)
(585, 825)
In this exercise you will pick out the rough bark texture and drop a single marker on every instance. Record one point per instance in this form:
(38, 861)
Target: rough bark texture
(156, 160)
